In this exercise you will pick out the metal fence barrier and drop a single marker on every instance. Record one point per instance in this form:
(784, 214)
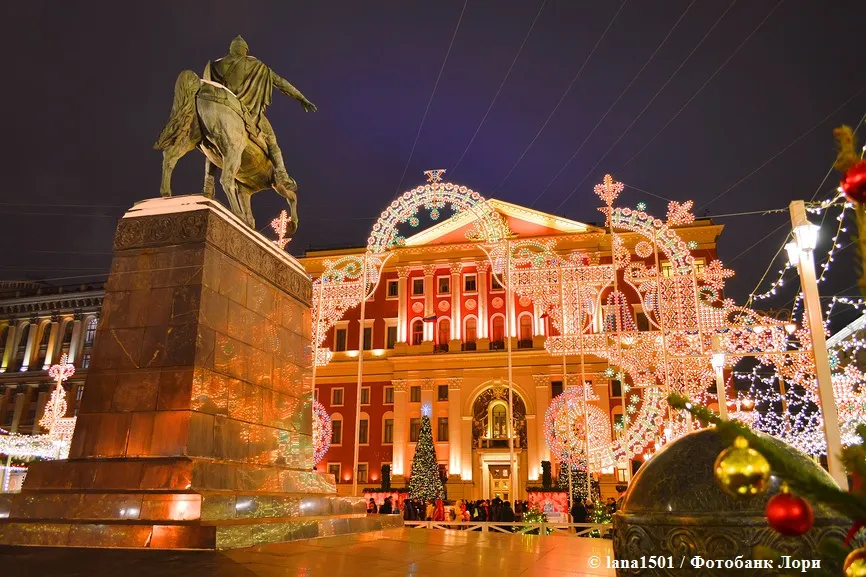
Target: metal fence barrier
(519, 528)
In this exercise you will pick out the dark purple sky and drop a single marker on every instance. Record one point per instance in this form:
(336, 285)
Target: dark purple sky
(89, 87)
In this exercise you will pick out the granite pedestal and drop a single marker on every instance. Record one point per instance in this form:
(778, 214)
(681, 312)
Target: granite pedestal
(195, 426)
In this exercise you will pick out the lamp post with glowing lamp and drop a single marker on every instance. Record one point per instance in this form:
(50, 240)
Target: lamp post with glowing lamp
(800, 253)
(718, 362)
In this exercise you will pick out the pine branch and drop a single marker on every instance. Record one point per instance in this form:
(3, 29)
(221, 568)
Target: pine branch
(806, 484)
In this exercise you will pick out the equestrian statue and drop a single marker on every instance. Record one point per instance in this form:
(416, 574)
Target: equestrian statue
(223, 114)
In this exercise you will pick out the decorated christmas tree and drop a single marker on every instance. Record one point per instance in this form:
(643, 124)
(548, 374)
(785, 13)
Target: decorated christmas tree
(425, 483)
(578, 483)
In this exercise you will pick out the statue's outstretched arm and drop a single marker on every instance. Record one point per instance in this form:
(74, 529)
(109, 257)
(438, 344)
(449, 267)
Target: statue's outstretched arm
(286, 88)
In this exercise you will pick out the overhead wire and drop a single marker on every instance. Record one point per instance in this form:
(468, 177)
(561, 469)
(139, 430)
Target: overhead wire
(561, 98)
(783, 150)
(714, 74)
(615, 102)
(501, 85)
(432, 94)
(659, 91)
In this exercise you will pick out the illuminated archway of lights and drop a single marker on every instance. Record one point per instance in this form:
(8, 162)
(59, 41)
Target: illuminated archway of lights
(322, 430)
(343, 284)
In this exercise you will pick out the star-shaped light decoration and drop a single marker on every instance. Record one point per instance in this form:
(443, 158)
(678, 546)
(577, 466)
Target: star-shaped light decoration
(281, 226)
(609, 189)
(641, 206)
(714, 274)
(680, 213)
(426, 410)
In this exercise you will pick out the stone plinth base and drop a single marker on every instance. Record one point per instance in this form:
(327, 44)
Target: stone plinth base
(195, 426)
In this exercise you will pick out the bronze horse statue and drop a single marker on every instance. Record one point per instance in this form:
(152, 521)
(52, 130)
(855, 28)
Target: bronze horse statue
(208, 116)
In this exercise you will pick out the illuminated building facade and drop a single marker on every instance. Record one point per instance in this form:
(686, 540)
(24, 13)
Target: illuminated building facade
(434, 335)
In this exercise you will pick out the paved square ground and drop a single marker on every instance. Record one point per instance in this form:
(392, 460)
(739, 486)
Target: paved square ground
(392, 553)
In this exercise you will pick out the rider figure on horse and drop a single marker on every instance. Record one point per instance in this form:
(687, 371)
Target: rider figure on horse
(252, 81)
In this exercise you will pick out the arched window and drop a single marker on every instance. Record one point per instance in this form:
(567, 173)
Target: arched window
(525, 327)
(471, 332)
(498, 332)
(498, 421)
(46, 334)
(90, 332)
(67, 334)
(4, 334)
(418, 332)
(444, 331)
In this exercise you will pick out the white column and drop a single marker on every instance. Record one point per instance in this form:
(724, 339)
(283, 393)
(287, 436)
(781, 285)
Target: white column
(456, 320)
(75, 344)
(398, 457)
(50, 352)
(29, 352)
(542, 401)
(533, 463)
(429, 270)
(466, 448)
(483, 329)
(402, 304)
(8, 350)
(16, 412)
(455, 461)
(812, 307)
(538, 322)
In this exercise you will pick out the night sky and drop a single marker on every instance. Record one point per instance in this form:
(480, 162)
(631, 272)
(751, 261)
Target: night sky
(747, 116)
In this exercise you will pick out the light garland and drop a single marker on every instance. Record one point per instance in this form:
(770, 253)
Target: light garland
(281, 226)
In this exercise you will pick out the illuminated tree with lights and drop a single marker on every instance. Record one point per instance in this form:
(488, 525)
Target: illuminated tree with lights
(424, 483)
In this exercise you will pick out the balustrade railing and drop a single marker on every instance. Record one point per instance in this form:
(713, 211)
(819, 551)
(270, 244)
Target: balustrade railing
(603, 530)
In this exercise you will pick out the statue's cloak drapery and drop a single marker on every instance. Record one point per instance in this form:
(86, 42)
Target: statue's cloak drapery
(249, 78)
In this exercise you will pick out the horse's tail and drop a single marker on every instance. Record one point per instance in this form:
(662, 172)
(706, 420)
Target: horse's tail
(183, 121)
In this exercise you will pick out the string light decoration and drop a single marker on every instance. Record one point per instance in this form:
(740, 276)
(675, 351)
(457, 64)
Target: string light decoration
(680, 214)
(56, 407)
(281, 226)
(322, 431)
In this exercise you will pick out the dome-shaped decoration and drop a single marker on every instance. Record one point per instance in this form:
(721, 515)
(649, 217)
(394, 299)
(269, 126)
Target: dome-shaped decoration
(674, 507)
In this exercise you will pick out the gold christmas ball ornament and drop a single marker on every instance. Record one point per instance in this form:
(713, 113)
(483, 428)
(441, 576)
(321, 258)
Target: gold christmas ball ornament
(855, 563)
(742, 471)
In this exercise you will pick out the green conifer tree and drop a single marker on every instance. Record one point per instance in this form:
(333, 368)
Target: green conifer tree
(424, 482)
(578, 483)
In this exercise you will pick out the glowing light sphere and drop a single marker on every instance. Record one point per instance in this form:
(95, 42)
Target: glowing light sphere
(643, 249)
(566, 435)
(322, 431)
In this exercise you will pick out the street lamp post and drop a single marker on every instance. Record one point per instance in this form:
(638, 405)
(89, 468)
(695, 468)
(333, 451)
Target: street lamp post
(718, 362)
(800, 253)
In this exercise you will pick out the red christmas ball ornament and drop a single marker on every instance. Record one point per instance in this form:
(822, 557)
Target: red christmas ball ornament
(789, 514)
(854, 182)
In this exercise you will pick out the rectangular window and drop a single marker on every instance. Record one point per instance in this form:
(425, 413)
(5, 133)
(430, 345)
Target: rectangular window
(555, 389)
(469, 285)
(389, 395)
(700, 264)
(667, 269)
(368, 338)
(615, 388)
(415, 394)
(443, 392)
(79, 392)
(442, 425)
(336, 432)
(392, 289)
(362, 472)
(495, 285)
(316, 394)
(340, 339)
(388, 431)
(621, 476)
(337, 397)
(363, 432)
(417, 286)
(391, 337)
(443, 285)
(365, 395)
(414, 430)
(334, 469)
(85, 360)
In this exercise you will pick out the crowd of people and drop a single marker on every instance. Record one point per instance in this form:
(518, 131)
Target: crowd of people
(494, 510)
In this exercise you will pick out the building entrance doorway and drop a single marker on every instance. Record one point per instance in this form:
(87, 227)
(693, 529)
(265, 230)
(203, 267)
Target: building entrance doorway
(500, 482)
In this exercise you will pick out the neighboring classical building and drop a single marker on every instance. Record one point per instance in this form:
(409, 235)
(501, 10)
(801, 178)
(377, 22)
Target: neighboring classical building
(455, 363)
(39, 324)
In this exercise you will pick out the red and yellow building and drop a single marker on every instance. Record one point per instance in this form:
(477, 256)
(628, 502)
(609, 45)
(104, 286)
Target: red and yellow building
(434, 335)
